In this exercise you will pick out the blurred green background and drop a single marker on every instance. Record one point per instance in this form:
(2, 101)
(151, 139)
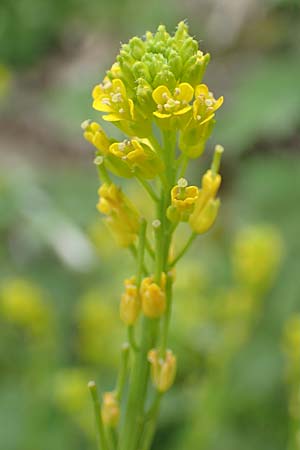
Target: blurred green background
(238, 290)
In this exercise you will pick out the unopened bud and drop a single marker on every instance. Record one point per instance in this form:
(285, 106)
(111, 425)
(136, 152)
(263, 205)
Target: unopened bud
(163, 370)
(130, 303)
(153, 297)
(202, 222)
(110, 409)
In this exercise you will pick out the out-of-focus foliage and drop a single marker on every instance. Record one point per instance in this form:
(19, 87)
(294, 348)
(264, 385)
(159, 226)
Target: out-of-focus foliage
(61, 274)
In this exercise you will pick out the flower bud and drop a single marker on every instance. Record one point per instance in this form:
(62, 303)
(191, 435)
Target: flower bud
(94, 134)
(153, 297)
(175, 63)
(211, 183)
(110, 410)
(140, 70)
(181, 32)
(163, 370)
(204, 220)
(189, 48)
(137, 47)
(166, 78)
(130, 302)
(144, 97)
(195, 71)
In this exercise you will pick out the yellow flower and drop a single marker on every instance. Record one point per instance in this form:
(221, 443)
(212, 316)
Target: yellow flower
(256, 255)
(122, 217)
(98, 331)
(130, 302)
(183, 198)
(110, 409)
(163, 370)
(199, 125)
(175, 104)
(153, 297)
(111, 97)
(94, 134)
(139, 155)
(22, 303)
(205, 104)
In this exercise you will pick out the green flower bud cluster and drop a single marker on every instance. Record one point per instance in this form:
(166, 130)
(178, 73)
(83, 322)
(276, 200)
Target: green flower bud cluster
(159, 59)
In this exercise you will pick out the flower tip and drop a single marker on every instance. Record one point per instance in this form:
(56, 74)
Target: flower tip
(98, 160)
(156, 223)
(85, 124)
(219, 149)
(91, 384)
(182, 183)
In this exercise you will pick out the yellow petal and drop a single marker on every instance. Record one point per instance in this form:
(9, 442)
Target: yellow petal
(158, 96)
(100, 106)
(186, 92)
(161, 115)
(218, 103)
(207, 119)
(131, 108)
(118, 86)
(183, 110)
(111, 118)
(201, 89)
(97, 91)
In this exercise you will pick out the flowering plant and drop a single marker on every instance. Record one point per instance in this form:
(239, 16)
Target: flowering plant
(154, 95)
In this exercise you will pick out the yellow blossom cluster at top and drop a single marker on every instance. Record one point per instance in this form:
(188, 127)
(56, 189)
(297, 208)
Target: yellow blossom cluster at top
(157, 78)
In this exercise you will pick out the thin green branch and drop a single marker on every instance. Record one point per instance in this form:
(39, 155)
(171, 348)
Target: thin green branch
(131, 338)
(151, 423)
(147, 186)
(140, 252)
(122, 372)
(183, 250)
(103, 174)
(97, 410)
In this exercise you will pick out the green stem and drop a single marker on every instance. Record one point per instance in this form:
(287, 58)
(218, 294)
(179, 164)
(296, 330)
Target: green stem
(149, 249)
(183, 250)
(185, 161)
(157, 225)
(97, 410)
(147, 187)
(151, 424)
(140, 252)
(133, 251)
(138, 387)
(103, 174)
(111, 438)
(131, 338)
(122, 372)
(167, 316)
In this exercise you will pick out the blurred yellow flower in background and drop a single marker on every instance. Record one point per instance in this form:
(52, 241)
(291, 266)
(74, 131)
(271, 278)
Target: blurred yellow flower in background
(22, 303)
